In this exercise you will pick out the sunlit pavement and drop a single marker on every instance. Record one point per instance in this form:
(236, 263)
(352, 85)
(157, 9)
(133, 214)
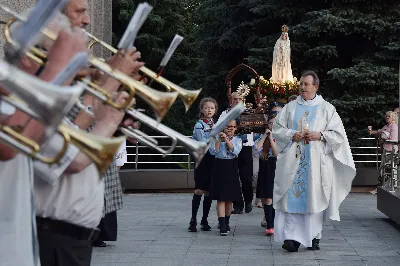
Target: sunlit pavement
(153, 231)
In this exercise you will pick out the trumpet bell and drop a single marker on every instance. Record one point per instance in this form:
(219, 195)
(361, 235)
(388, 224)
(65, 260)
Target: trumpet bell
(159, 101)
(99, 149)
(187, 96)
(195, 148)
(50, 102)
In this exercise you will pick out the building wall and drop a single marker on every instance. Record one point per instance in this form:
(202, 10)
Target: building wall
(100, 13)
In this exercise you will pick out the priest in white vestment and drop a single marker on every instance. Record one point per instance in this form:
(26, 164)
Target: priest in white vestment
(310, 138)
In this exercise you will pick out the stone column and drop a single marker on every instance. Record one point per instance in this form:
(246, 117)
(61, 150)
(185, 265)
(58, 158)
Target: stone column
(100, 13)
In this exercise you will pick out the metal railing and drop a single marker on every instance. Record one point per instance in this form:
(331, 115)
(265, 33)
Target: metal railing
(141, 157)
(389, 170)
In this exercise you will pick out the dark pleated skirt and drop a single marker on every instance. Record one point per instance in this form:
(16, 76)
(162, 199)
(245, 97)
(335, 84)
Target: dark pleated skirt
(202, 174)
(225, 182)
(266, 176)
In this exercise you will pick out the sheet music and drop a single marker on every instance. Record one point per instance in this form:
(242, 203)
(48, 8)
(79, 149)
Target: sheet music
(172, 47)
(139, 17)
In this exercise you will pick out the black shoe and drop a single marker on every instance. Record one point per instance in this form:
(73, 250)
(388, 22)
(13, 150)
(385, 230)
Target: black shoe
(228, 228)
(99, 244)
(248, 208)
(192, 226)
(315, 245)
(205, 226)
(291, 245)
(237, 211)
(223, 231)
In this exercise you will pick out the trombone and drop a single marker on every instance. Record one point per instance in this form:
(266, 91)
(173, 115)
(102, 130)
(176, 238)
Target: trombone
(160, 102)
(99, 149)
(187, 96)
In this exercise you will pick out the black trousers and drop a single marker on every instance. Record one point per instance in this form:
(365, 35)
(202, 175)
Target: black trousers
(108, 227)
(245, 172)
(59, 250)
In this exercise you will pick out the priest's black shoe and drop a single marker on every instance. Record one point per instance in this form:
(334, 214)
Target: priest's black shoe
(237, 211)
(291, 245)
(99, 244)
(315, 245)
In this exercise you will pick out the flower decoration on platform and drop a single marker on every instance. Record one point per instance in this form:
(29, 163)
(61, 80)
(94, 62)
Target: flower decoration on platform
(278, 88)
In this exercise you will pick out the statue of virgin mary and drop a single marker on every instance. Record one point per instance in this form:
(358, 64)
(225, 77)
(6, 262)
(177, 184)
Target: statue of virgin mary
(281, 67)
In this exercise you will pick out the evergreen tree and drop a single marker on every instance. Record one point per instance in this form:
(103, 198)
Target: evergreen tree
(222, 40)
(352, 45)
(166, 19)
(344, 44)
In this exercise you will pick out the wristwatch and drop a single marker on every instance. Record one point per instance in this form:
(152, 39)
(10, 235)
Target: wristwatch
(322, 136)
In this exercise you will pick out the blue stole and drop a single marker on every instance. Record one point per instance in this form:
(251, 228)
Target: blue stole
(297, 194)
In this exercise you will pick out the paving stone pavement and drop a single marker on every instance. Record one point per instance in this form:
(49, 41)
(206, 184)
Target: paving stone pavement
(153, 232)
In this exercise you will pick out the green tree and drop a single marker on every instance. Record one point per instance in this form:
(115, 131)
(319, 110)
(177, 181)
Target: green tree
(166, 19)
(352, 45)
(222, 40)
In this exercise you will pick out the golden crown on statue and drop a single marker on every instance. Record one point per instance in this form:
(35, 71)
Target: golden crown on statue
(285, 28)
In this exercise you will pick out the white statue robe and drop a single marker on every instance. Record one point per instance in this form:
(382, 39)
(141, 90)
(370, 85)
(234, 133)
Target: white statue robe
(281, 66)
(330, 173)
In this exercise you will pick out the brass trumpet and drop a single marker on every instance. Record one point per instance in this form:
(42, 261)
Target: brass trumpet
(195, 148)
(160, 102)
(187, 96)
(43, 98)
(99, 149)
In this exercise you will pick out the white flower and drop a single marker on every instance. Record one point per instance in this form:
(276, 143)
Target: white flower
(252, 82)
(261, 78)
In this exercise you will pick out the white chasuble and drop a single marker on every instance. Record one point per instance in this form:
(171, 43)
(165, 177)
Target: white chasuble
(315, 176)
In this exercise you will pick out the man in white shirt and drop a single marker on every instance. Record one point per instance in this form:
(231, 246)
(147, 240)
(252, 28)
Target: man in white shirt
(18, 243)
(245, 164)
(70, 196)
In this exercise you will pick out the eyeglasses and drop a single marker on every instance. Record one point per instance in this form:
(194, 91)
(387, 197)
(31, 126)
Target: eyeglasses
(229, 127)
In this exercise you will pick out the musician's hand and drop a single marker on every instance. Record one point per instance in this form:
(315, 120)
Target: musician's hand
(108, 113)
(4, 92)
(126, 61)
(129, 122)
(297, 137)
(222, 136)
(91, 73)
(65, 47)
(312, 136)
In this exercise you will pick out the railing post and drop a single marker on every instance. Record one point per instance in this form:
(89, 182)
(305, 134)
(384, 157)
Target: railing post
(137, 155)
(392, 171)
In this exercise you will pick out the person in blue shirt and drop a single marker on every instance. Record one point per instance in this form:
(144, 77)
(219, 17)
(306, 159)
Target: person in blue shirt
(202, 173)
(265, 145)
(225, 182)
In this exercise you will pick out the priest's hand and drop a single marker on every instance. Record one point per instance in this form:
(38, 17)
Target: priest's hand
(312, 136)
(297, 137)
